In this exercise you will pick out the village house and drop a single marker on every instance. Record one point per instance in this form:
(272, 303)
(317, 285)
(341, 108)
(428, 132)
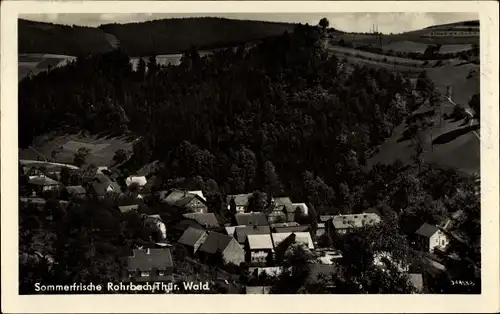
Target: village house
(300, 237)
(241, 233)
(206, 220)
(41, 184)
(149, 265)
(102, 185)
(192, 239)
(228, 247)
(240, 200)
(183, 199)
(76, 192)
(341, 224)
(251, 219)
(259, 247)
(428, 238)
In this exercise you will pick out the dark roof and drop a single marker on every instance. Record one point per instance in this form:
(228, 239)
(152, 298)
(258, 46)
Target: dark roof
(251, 219)
(241, 233)
(204, 219)
(292, 229)
(215, 242)
(191, 236)
(145, 260)
(427, 230)
(186, 223)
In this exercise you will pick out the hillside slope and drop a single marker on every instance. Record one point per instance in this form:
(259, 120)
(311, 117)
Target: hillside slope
(456, 145)
(38, 37)
(177, 35)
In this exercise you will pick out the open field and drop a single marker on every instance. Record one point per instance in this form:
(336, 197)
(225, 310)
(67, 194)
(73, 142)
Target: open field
(102, 149)
(455, 144)
(419, 47)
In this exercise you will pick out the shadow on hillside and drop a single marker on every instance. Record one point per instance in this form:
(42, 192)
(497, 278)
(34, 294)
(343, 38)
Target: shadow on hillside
(450, 136)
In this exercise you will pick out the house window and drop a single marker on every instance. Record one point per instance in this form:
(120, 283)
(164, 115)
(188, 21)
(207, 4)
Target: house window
(442, 242)
(144, 273)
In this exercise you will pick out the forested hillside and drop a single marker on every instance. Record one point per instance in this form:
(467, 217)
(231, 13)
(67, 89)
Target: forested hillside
(284, 102)
(38, 37)
(163, 36)
(144, 38)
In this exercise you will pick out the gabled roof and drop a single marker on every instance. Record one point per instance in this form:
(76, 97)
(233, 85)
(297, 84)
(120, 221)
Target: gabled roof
(204, 219)
(303, 228)
(239, 199)
(145, 260)
(260, 242)
(75, 189)
(215, 242)
(199, 193)
(251, 219)
(191, 236)
(427, 230)
(300, 237)
(241, 233)
(282, 201)
(354, 221)
(141, 181)
(42, 180)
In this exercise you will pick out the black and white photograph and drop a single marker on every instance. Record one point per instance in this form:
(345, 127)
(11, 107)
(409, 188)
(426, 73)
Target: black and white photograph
(327, 153)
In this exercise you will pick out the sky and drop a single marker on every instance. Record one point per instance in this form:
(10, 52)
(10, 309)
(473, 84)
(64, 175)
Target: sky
(350, 22)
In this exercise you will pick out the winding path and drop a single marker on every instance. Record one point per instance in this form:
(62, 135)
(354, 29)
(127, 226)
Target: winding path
(467, 110)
